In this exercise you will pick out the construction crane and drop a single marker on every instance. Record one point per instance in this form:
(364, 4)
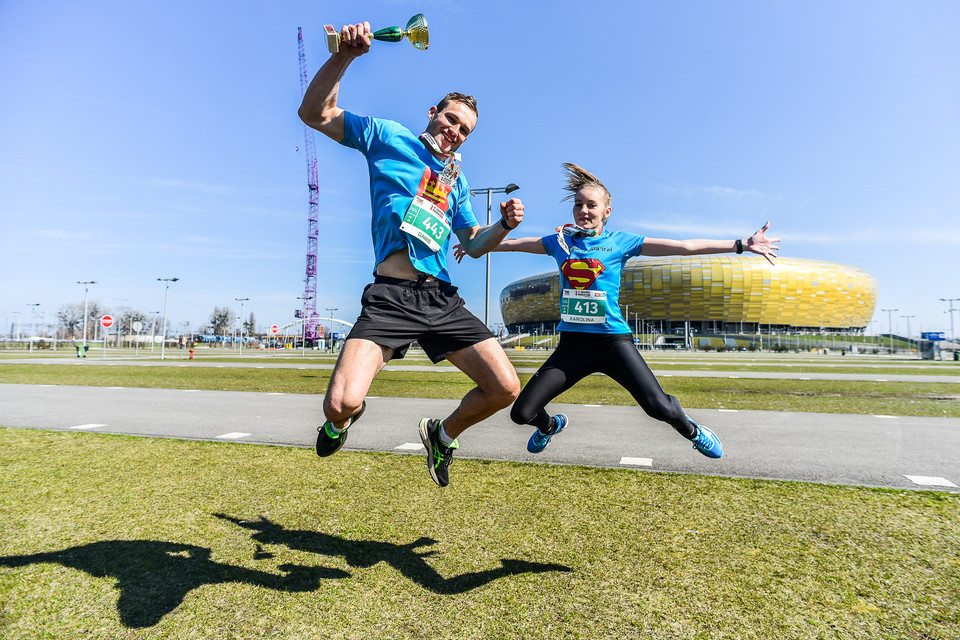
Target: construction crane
(310, 319)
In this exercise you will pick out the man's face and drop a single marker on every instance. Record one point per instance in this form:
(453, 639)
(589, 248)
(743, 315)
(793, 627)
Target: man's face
(451, 126)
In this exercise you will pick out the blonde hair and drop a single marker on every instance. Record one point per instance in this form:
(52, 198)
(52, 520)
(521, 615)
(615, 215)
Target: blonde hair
(578, 178)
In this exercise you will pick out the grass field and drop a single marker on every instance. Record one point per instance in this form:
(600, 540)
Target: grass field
(118, 537)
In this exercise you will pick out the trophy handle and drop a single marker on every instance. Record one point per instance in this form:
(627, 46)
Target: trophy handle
(389, 34)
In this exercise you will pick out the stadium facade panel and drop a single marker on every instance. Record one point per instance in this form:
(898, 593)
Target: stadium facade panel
(717, 291)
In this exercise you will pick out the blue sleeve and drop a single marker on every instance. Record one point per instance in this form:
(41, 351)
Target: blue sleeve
(631, 244)
(463, 216)
(364, 133)
(550, 245)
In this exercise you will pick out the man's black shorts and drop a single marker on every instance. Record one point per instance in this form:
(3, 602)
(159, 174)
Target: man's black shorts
(397, 312)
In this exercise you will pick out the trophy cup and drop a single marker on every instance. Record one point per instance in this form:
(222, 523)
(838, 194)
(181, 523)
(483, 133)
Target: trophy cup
(416, 32)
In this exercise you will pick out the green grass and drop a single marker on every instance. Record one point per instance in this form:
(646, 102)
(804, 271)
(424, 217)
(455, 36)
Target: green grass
(818, 396)
(126, 542)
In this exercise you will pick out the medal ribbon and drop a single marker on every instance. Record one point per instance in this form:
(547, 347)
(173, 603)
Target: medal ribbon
(573, 230)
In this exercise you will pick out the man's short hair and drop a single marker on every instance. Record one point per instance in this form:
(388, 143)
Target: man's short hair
(462, 98)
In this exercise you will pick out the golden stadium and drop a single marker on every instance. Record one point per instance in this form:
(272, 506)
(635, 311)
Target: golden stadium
(715, 294)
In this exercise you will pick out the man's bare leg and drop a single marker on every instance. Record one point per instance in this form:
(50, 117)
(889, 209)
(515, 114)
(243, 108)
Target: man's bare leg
(497, 384)
(359, 363)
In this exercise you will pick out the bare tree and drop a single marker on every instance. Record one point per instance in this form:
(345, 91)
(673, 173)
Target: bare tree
(221, 321)
(70, 317)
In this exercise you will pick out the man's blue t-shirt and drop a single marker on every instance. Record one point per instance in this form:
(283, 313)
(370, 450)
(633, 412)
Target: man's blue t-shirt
(402, 168)
(594, 264)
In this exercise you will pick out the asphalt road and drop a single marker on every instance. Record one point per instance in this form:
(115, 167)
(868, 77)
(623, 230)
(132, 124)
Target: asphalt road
(875, 451)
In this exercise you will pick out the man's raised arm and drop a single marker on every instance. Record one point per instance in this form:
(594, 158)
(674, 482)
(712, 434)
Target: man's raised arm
(319, 108)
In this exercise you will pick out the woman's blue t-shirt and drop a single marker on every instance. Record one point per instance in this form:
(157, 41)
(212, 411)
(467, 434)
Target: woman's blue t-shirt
(595, 264)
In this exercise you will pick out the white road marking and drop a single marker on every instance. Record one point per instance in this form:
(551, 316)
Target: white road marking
(727, 410)
(929, 481)
(233, 435)
(637, 462)
(591, 405)
(410, 446)
(88, 426)
(885, 417)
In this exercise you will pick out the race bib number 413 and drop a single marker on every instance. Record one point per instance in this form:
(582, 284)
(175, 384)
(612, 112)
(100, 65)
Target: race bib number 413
(581, 306)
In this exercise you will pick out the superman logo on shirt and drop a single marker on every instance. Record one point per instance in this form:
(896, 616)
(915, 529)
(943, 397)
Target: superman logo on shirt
(581, 272)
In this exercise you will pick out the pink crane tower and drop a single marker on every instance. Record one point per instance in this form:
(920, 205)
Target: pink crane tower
(310, 320)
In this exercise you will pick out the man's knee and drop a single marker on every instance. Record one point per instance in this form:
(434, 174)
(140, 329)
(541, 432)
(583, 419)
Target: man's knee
(510, 390)
(337, 408)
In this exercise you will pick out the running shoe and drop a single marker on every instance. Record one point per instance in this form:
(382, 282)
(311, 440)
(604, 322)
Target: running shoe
(439, 456)
(539, 440)
(329, 441)
(706, 441)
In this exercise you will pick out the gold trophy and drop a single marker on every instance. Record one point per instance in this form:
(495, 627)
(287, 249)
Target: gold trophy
(416, 31)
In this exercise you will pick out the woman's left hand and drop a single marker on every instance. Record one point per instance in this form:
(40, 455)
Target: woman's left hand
(760, 244)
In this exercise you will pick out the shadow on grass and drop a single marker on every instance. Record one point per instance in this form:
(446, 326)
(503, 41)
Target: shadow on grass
(404, 558)
(153, 577)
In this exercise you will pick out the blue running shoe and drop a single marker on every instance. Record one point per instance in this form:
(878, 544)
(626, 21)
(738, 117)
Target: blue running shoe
(539, 440)
(706, 441)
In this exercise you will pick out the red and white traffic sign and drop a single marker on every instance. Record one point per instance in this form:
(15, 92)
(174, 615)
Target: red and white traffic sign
(274, 329)
(106, 321)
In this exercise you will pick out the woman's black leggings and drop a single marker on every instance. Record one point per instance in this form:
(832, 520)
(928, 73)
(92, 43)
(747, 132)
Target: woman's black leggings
(581, 354)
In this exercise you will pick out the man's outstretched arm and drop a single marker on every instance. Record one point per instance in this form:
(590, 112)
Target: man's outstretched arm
(319, 108)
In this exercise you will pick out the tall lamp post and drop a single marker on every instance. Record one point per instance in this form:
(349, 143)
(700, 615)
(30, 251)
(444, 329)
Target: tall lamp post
(163, 326)
(33, 319)
(909, 340)
(330, 337)
(953, 336)
(241, 301)
(889, 313)
(86, 288)
(510, 188)
(303, 327)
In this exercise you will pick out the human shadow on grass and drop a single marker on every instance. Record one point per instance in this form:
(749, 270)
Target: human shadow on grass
(405, 558)
(153, 577)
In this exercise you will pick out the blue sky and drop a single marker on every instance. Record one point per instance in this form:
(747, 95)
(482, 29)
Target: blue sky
(155, 140)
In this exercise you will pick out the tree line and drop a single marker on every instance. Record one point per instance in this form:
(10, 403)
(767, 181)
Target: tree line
(69, 322)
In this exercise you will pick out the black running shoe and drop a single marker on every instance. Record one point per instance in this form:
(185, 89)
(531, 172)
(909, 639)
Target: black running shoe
(439, 456)
(329, 441)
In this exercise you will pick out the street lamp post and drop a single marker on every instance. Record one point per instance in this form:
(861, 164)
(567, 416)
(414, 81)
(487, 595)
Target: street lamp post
(303, 326)
(953, 336)
(241, 301)
(330, 311)
(909, 340)
(163, 326)
(510, 188)
(889, 313)
(33, 319)
(86, 288)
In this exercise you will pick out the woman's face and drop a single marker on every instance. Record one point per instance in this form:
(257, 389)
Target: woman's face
(590, 208)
